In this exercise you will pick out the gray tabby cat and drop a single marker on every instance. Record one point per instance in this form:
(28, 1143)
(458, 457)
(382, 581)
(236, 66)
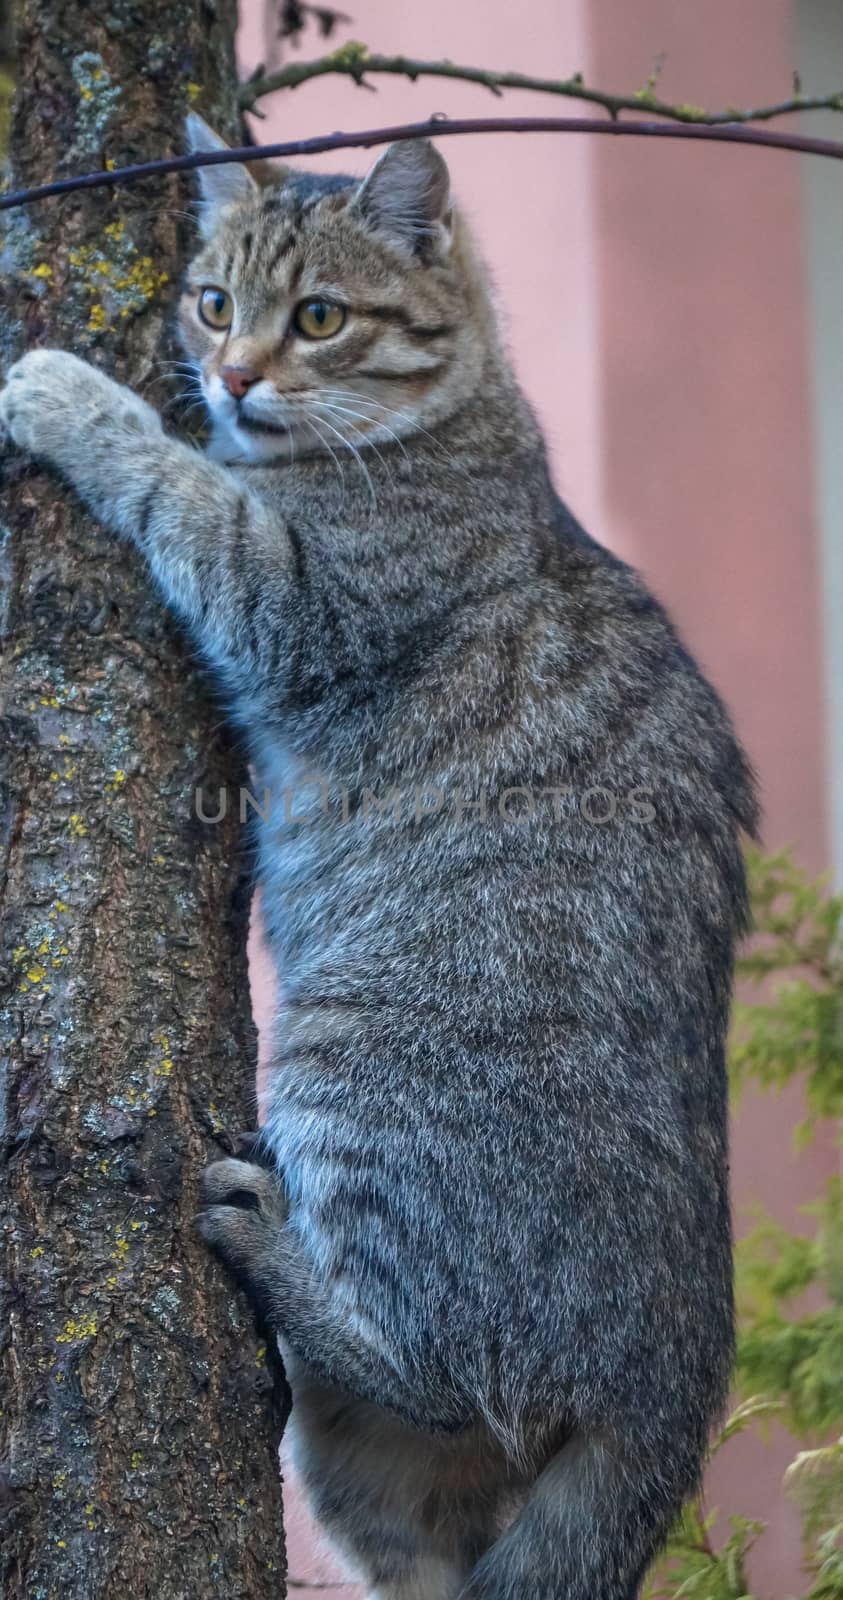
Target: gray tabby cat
(502, 882)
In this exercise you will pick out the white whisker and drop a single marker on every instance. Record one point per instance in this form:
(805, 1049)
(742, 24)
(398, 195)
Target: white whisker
(151, 212)
(186, 382)
(402, 416)
(188, 411)
(339, 413)
(310, 422)
(357, 456)
(361, 417)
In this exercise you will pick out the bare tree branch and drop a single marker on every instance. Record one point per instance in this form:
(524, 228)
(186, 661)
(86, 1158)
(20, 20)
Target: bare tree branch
(434, 128)
(353, 60)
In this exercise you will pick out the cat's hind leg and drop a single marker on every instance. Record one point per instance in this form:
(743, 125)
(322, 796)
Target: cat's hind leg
(409, 1513)
(410, 1493)
(245, 1222)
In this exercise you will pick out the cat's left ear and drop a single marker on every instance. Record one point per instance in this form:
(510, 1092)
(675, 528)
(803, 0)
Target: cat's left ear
(225, 185)
(406, 198)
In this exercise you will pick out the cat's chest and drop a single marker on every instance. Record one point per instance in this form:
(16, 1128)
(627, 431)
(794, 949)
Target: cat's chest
(281, 781)
(284, 799)
(288, 805)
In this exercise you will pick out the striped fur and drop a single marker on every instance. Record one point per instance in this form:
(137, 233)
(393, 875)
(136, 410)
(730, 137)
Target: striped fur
(502, 883)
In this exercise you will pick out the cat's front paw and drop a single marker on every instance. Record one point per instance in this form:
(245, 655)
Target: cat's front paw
(41, 398)
(245, 1210)
(52, 401)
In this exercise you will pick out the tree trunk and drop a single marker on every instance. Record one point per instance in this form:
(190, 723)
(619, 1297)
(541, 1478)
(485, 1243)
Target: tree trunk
(140, 1415)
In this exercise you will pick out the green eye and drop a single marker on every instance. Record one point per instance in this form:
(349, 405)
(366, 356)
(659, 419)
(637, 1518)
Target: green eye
(216, 308)
(318, 319)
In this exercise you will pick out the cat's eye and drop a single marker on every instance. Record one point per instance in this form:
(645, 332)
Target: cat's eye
(318, 319)
(216, 308)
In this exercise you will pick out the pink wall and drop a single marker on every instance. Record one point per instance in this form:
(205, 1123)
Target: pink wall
(706, 445)
(707, 468)
(654, 298)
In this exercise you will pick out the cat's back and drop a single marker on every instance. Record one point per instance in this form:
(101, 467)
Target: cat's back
(561, 663)
(648, 703)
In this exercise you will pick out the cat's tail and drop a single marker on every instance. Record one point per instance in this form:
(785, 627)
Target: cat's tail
(588, 1531)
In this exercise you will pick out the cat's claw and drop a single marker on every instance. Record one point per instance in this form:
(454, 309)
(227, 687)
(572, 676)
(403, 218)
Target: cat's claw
(251, 1145)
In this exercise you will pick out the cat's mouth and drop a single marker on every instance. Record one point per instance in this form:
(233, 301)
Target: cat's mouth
(258, 425)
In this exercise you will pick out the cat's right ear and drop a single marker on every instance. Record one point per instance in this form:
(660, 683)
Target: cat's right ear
(228, 184)
(405, 198)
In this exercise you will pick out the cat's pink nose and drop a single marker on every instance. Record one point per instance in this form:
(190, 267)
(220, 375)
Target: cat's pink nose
(238, 379)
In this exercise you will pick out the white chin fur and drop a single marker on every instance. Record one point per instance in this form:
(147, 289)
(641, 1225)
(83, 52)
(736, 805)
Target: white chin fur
(230, 443)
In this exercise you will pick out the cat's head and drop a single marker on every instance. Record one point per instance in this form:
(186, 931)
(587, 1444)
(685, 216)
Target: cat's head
(329, 311)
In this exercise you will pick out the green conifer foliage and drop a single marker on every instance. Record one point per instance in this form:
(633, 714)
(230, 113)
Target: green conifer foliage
(789, 1358)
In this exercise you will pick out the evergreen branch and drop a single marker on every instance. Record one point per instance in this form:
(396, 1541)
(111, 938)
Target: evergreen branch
(434, 127)
(748, 1411)
(353, 60)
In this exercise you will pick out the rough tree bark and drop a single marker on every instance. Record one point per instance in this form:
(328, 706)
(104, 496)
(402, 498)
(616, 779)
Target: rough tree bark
(139, 1440)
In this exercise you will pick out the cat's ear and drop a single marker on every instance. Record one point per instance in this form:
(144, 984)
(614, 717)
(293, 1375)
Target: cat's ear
(406, 198)
(225, 185)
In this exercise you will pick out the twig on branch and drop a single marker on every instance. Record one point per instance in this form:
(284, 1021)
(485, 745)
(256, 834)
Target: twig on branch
(434, 128)
(353, 60)
(294, 18)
